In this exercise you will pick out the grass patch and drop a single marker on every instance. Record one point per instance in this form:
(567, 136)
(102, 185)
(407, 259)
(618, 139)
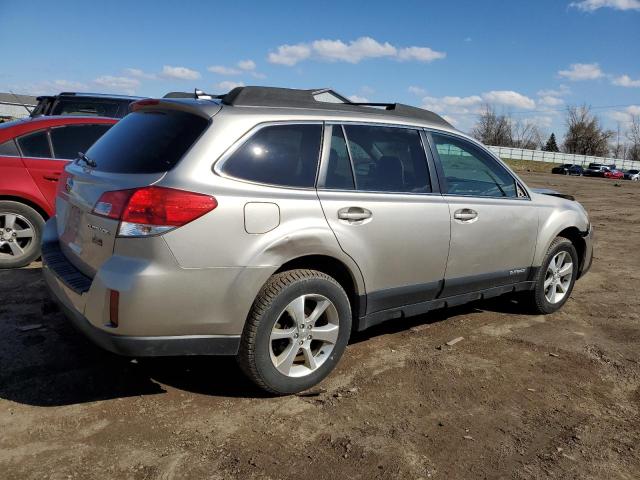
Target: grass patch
(529, 165)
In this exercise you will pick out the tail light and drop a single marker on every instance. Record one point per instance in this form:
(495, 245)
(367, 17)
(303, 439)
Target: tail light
(114, 305)
(152, 210)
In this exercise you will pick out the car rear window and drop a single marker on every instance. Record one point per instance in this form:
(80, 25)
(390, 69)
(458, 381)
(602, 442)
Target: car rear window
(147, 142)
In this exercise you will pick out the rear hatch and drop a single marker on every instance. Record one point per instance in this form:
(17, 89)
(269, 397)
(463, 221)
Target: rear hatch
(135, 153)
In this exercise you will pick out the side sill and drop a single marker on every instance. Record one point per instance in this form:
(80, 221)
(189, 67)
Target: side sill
(424, 307)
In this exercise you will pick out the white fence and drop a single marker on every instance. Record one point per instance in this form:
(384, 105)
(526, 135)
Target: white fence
(557, 157)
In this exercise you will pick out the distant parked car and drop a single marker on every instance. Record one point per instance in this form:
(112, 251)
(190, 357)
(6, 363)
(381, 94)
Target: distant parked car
(84, 104)
(568, 169)
(632, 175)
(613, 173)
(33, 154)
(595, 170)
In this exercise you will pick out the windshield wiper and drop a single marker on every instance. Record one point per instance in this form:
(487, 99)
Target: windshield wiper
(90, 163)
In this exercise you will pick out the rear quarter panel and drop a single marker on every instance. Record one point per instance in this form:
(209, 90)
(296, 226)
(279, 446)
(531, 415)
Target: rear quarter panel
(17, 183)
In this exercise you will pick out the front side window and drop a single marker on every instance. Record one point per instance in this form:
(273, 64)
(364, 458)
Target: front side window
(35, 145)
(388, 159)
(284, 155)
(68, 141)
(470, 171)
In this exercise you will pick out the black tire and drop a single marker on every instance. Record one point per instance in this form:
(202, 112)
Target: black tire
(536, 298)
(28, 217)
(281, 289)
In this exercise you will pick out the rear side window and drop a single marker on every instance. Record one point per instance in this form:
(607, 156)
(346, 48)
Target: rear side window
(339, 175)
(86, 107)
(68, 141)
(35, 145)
(388, 159)
(147, 142)
(9, 148)
(285, 155)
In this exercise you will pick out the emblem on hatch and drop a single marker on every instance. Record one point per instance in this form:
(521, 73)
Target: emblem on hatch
(98, 229)
(68, 186)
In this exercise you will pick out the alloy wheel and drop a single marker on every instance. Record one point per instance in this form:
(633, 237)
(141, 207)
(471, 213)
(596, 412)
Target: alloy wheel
(304, 335)
(558, 277)
(17, 234)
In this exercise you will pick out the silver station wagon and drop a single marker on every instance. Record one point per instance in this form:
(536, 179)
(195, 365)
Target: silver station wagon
(270, 223)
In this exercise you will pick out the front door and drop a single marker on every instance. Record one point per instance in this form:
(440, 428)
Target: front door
(376, 192)
(493, 224)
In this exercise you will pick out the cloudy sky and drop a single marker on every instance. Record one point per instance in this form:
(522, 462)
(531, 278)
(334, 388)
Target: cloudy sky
(530, 58)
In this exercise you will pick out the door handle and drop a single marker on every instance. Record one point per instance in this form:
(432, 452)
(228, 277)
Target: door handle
(465, 215)
(50, 178)
(354, 214)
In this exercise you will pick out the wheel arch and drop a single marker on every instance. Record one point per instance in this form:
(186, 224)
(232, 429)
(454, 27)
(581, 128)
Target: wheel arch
(346, 277)
(30, 203)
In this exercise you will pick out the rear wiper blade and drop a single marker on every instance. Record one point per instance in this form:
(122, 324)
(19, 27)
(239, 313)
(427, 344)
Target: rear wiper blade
(90, 163)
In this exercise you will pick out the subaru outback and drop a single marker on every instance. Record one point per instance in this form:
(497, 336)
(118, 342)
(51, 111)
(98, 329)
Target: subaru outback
(270, 223)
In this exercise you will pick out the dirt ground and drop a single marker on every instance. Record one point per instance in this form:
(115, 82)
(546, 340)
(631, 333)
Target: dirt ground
(521, 396)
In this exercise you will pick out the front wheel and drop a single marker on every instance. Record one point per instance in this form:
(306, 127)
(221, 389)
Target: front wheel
(20, 234)
(556, 277)
(296, 332)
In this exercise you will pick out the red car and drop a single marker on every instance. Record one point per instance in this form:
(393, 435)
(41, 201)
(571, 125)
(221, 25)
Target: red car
(33, 153)
(613, 173)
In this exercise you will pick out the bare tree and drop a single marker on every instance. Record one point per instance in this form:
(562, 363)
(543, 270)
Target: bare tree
(493, 129)
(633, 134)
(525, 134)
(584, 134)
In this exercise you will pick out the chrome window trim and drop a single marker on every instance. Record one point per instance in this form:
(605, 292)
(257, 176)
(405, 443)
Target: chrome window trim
(218, 164)
(491, 155)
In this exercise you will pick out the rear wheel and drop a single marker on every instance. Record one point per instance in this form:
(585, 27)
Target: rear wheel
(20, 234)
(296, 332)
(556, 277)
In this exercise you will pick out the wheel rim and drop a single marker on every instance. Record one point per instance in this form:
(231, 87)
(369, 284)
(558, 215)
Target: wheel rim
(558, 277)
(304, 335)
(17, 234)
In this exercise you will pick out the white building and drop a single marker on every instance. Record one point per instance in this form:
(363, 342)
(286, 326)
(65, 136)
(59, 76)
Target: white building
(16, 106)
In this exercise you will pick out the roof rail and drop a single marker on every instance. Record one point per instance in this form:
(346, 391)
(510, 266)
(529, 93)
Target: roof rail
(288, 97)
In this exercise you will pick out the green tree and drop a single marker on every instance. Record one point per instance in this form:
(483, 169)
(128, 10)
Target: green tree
(551, 145)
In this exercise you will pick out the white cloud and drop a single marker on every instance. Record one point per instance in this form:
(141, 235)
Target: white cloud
(559, 92)
(550, 101)
(625, 81)
(358, 99)
(593, 5)
(138, 73)
(290, 54)
(509, 98)
(227, 85)
(222, 70)
(582, 71)
(123, 84)
(624, 116)
(179, 73)
(352, 52)
(419, 54)
(417, 90)
(246, 65)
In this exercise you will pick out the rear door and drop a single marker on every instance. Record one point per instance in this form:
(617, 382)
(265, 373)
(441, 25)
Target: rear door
(378, 195)
(494, 225)
(38, 158)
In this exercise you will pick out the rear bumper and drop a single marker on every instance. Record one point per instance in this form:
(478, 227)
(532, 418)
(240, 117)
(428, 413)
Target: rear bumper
(147, 346)
(84, 302)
